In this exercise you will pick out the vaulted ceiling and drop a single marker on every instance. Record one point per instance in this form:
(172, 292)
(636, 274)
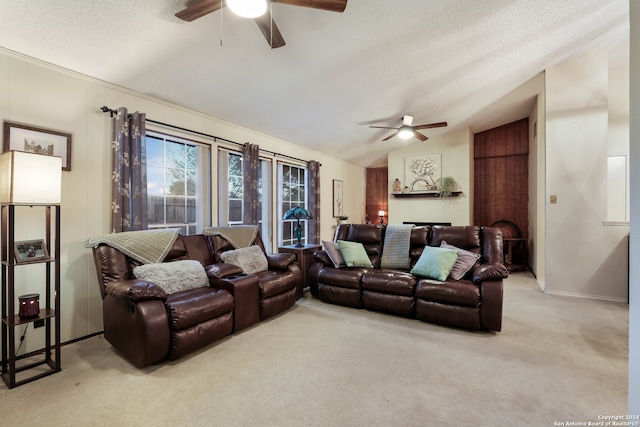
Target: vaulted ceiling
(438, 60)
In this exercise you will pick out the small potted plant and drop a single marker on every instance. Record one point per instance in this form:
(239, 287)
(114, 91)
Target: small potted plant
(446, 186)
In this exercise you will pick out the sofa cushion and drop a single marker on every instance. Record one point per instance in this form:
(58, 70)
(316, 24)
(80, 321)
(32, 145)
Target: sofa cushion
(460, 293)
(333, 251)
(435, 263)
(251, 259)
(389, 282)
(465, 237)
(272, 283)
(354, 254)
(176, 276)
(465, 261)
(342, 278)
(196, 306)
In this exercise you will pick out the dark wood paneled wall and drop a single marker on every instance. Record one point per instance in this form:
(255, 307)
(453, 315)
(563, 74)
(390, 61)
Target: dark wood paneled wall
(377, 193)
(501, 186)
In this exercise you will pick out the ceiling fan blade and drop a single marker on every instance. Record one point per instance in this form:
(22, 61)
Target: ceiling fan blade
(420, 136)
(267, 25)
(199, 9)
(431, 126)
(329, 5)
(381, 127)
(390, 136)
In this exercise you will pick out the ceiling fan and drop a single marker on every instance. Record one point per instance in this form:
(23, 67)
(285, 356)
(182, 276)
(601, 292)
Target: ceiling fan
(264, 20)
(407, 131)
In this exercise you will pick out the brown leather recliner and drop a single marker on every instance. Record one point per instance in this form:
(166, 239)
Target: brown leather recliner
(280, 286)
(147, 325)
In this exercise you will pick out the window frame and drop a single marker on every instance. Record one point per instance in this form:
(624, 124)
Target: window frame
(202, 178)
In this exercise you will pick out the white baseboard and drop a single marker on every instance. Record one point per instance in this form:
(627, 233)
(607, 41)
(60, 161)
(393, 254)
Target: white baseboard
(588, 296)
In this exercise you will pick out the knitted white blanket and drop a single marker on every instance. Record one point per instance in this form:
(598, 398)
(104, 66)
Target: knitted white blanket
(240, 236)
(145, 246)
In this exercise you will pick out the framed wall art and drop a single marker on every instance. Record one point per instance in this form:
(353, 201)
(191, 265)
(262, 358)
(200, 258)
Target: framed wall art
(422, 173)
(31, 139)
(30, 250)
(338, 208)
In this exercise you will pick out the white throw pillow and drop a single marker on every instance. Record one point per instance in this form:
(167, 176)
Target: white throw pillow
(250, 260)
(174, 276)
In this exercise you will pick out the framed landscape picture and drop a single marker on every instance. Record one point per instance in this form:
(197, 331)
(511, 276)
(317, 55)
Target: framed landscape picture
(31, 139)
(338, 208)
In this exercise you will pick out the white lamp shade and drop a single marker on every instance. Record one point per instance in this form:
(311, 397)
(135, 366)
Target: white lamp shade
(248, 8)
(380, 213)
(27, 178)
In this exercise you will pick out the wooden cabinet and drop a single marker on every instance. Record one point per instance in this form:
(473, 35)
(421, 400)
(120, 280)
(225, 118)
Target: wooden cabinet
(305, 257)
(49, 303)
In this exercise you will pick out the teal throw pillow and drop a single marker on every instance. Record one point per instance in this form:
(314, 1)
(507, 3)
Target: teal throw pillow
(435, 263)
(354, 254)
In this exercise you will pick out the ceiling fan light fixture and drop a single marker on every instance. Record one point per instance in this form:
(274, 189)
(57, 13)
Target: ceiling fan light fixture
(248, 8)
(405, 132)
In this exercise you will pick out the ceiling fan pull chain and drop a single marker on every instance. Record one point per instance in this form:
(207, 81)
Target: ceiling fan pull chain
(221, 12)
(271, 24)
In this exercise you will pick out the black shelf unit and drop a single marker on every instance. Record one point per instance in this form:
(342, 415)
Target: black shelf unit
(49, 356)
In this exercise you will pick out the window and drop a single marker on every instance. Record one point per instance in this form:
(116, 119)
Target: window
(230, 188)
(178, 176)
(292, 193)
(231, 193)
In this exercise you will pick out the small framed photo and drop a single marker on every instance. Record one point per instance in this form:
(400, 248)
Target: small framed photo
(30, 250)
(31, 139)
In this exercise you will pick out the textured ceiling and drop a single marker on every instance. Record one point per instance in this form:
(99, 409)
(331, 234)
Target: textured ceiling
(438, 60)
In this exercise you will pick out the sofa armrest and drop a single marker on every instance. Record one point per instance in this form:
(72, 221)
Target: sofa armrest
(490, 271)
(323, 257)
(491, 306)
(280, 261)
(135, 290)
(221, 270)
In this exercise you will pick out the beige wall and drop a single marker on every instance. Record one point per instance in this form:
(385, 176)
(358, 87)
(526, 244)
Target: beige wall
(455, 148)
(583, 256)
(41, 95)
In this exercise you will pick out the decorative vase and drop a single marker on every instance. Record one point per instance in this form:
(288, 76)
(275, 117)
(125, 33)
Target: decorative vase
(397, 186)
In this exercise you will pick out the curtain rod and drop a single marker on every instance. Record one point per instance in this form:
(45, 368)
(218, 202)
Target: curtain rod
(113, 112)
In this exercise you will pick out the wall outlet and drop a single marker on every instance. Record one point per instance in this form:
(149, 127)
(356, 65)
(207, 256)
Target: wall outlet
(38, 323)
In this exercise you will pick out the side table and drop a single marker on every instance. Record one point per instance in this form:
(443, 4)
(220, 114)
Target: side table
(304, 255)
(515, 246)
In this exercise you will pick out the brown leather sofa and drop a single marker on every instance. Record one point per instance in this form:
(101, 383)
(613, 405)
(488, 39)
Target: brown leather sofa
(147, 325)
(473, 302)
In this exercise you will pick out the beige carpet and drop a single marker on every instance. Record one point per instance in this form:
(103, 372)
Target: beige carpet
(557, 359)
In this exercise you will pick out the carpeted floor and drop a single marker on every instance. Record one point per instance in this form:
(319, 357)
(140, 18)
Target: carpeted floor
(557, 359)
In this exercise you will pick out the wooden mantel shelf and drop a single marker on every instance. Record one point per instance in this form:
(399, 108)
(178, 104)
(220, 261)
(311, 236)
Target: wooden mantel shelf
(425, 194)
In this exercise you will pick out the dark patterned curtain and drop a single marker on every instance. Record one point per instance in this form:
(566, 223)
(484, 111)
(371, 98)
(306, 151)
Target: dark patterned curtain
(250, 169)
(128, 172)
(314, 201)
